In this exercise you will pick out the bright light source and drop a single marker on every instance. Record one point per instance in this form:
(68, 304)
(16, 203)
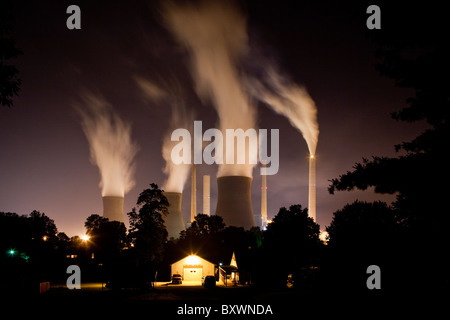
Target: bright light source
(311, 156)
(45, 238)
(11, 252)
(192, 260)
(324, 236)
(85, 237)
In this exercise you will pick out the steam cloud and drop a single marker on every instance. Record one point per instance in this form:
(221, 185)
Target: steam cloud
(177, 174)
(290, 100)
(111, 147)
(215, 35)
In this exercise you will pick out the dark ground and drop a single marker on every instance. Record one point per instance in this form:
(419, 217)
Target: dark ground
(165, 301)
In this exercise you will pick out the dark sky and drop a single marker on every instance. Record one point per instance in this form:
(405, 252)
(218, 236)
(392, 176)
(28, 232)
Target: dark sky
(45, 163)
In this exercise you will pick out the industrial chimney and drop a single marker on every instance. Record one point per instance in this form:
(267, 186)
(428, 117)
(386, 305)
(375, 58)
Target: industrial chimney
(264, 200)
(206, 195)
(174, 220)
(113, 208)
(312, 188)
(193, 194)
(234, 203)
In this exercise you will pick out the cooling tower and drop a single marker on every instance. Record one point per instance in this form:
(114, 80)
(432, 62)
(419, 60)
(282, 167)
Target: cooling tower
(193, 193)
(174, 220)
(113, 208)
(234, 203)
(206, 195)
(312, 188)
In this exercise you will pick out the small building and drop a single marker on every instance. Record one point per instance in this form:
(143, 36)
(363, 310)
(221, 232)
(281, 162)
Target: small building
(192, 268)
(229, 274)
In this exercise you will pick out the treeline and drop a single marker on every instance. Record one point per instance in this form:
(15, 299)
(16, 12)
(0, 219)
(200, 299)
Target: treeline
(32, 250)
(361, 234)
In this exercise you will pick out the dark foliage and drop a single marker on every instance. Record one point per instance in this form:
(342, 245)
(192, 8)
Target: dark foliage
(9, 81)
(108, 238)
(31, 250)
(291, 244)
(413, 51)
(147, 231)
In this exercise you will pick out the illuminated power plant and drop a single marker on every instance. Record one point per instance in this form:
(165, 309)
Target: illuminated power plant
(234, 203)
(113, 208)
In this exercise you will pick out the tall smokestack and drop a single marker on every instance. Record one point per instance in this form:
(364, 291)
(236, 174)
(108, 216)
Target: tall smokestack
(264, 200)
(113, 208)
(234, 203)
(312, 188)
(206, 195)
(193, 193)
(174, 220)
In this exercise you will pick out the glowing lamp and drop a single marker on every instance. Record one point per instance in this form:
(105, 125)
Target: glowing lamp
(193, 260)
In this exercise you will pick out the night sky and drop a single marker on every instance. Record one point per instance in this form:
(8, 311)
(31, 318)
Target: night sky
(45, 161)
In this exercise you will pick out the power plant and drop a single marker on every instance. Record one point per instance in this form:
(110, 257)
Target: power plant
(234, 203)
(312, 188)
(206, 195)
(113, 208)
(174, 220)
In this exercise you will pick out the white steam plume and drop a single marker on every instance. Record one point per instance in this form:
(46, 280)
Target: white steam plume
(111, 147)
(177, 174)
(290, 100)
(215, 34)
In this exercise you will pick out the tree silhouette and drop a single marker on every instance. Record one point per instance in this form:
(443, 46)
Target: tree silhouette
(291, 243)
(107, 238)
(147, 230)
(31, 250)
(414, 53)
(9, 81)
(360, 234)
(362, 224)
(203, 225)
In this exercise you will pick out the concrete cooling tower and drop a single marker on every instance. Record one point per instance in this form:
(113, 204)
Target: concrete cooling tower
(174, 220)
(113, 208)
(234, 203)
